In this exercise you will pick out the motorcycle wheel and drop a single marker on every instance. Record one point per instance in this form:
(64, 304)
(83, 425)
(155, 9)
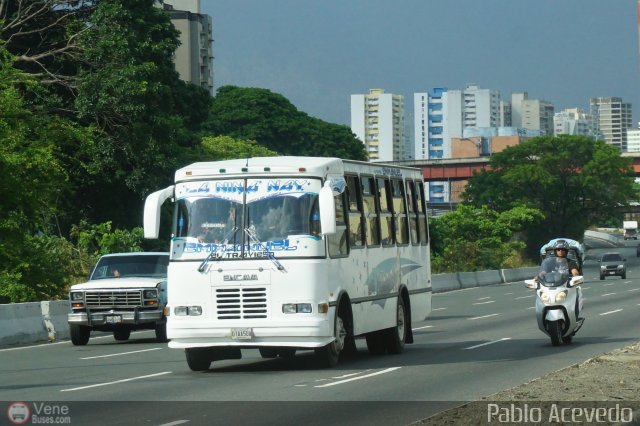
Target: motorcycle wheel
(555, 332)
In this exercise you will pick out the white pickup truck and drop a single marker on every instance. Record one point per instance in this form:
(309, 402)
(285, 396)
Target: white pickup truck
(125, 292)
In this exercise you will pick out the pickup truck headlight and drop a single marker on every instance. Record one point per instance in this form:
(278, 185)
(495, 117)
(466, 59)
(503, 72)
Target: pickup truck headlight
(76, 296)
(150, 294)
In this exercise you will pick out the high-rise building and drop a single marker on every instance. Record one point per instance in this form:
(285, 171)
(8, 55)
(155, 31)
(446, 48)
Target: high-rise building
(572, 121)
(428, 124)
(194, 57)
(537, 115)
(611, 119)
(443, 114)
(633, 139)
(377, 119)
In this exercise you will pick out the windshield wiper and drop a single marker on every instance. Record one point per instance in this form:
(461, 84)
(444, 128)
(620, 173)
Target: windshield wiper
(212, 255)
(253, 237)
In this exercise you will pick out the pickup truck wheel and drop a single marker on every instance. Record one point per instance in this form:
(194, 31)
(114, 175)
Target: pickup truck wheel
(161, 333)
(79, 334)
(121, 334)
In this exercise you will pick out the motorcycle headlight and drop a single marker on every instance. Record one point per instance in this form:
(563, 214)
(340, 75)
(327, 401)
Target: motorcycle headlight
(544, 296)
(561, 297)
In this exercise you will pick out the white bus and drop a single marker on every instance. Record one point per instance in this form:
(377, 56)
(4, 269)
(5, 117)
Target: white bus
(294, 253)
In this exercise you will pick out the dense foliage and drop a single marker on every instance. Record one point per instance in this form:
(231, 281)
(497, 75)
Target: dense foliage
(271, 120)
(477, 239)
(575, 181)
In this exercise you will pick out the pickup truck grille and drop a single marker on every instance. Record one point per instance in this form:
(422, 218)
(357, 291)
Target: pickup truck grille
(241, 303)
(116, 298)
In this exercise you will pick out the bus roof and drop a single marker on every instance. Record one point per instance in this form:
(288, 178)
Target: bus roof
(311, 166)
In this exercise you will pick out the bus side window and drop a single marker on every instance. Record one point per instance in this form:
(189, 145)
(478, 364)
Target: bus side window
(386, 216)
(413, 212)
(356, 219)
(422, 215)
(370, 210)
(399, 204)
(338, 246)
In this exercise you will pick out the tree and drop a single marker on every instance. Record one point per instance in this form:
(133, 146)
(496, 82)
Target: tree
(475, 239)
(271, 120)
(216, 148)
(575, 181)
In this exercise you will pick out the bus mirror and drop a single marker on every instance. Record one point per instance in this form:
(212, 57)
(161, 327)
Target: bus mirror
(327, 210)
(152, 211)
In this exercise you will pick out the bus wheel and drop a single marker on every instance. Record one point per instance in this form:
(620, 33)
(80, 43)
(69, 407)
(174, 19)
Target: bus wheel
(329, 354)
(198, 359)
(79, 334)
(376, 343)
(397, 336)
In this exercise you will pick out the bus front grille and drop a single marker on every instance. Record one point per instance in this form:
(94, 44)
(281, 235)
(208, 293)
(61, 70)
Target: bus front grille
(241, 303)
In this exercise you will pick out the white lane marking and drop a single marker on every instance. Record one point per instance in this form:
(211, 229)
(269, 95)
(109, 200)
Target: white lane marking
(607, 285)
(483, 303)
(531, 307)
(634, 289)
(607, 294)
(63, 342)
(177, 422)
(610, 312)
(388, 370)
(506, 294)
(438, 309)
(484, 316)
(423, 327)
(524, 297)
(488, 343)
(121, 353)
(483, 298)
(115, 382)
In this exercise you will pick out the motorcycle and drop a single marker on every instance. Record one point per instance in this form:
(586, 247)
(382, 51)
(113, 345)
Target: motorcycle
(558, 301)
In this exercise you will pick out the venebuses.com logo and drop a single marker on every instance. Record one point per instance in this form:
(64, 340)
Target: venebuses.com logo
(18, 413)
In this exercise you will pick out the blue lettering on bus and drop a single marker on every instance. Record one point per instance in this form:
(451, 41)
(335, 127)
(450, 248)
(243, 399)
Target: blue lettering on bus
(204, 187)
(270, 246)
(288, 185)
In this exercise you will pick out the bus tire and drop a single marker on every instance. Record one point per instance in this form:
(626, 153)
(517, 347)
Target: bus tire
(376, 343)
(328, 355)
(396, 336)
(79, 334)
(198, 359)
(121, 334)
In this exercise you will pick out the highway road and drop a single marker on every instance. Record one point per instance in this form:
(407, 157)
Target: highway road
(476, 342)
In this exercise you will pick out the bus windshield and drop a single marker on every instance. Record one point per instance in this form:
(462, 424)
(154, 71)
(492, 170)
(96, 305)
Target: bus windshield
(248, 218)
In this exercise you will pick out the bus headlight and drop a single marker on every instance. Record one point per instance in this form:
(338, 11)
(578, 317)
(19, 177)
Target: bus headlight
(187, 311)
(296, 308)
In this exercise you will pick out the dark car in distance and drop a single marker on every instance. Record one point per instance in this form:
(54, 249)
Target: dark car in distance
(613, 264)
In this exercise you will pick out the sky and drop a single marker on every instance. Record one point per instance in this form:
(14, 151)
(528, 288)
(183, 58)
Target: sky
(316, 53)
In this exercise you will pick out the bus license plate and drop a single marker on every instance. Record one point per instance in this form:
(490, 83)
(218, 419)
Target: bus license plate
(241, 333)
(113, 319)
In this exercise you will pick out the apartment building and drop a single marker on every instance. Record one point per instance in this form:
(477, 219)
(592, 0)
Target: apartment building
(194, 57)
(377, 119)
(572, 121)
(611, 119)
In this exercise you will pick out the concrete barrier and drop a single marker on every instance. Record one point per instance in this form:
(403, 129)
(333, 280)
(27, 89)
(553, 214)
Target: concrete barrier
(441, 283)
(519, 274)
(21, 323)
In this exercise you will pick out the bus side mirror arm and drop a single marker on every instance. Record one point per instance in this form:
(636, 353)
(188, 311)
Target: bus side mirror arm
(327, 210)
(152, 207)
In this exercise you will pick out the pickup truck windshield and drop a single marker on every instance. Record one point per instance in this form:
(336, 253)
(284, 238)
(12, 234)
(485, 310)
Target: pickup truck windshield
(131, 266)
(248, 218)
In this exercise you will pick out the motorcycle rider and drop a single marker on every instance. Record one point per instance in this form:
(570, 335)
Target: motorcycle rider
(562, 264)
